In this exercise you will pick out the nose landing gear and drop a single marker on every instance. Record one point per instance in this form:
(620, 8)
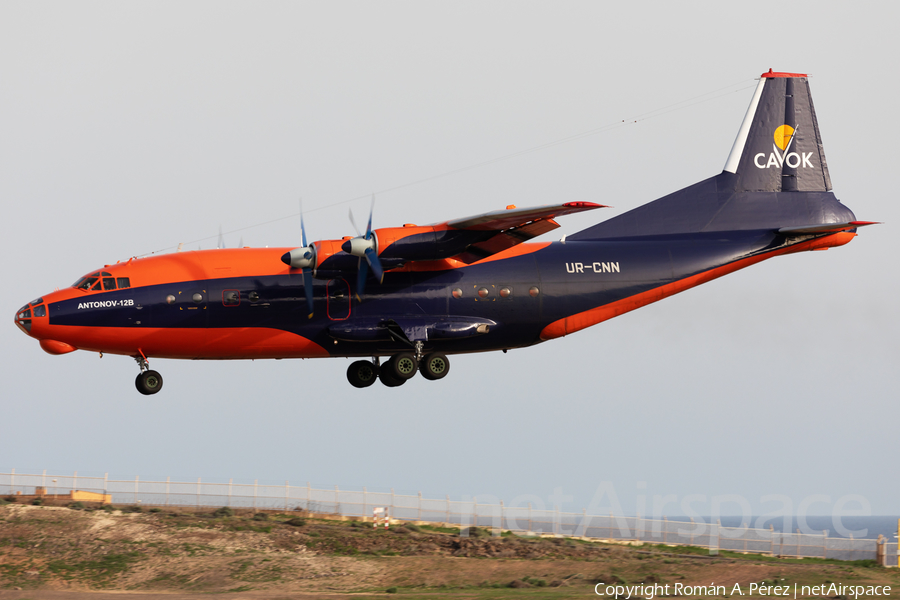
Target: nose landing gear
(148, 382)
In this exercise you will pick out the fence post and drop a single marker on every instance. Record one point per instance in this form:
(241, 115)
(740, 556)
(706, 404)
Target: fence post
(198, 493)
(105, 482)
(167, 490)
(772, 539)
(135, 489)
(715, 551)
(475, 511)
(419, 514)
(499, 529)
(308, 491)
(393, 511)
(637, 527)
(691, 542)
(12, 481)
(448, 509)
(365, 501)
(285, 495)
(530, 530)
(337, 500)
(255, 492)
(75, 481)
(584, 522)
(825, 544)
(44, 479)
(229, 491)
(666, 529)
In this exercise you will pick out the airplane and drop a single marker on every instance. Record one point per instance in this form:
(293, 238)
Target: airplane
(403, 299)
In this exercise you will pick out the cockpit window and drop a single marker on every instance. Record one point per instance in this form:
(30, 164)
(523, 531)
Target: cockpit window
(85, 283)
(40, 311)
(101, 280)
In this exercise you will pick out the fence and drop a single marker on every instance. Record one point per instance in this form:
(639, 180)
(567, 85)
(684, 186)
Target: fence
(359, 504)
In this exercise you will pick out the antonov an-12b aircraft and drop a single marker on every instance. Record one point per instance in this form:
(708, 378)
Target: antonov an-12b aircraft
(404, 299)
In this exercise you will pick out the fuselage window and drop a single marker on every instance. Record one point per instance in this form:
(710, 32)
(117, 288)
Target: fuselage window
(109, 283)
(231, 297)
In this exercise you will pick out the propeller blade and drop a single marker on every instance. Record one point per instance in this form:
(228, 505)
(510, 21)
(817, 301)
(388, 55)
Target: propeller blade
(353, 222)
(372, 259)
(302, 229)
(307, 288)
(361, 278)
(371, 211)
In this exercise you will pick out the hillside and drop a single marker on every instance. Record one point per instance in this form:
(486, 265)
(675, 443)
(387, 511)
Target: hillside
(64, 553)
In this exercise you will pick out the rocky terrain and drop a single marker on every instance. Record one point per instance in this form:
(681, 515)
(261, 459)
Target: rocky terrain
(68, 552)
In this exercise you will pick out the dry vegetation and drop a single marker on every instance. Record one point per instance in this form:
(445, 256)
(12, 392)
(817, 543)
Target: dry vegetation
(58, 550)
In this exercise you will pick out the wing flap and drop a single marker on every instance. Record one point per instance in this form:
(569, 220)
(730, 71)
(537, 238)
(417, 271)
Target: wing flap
(513, 226)
(506, 239)
(517, 217)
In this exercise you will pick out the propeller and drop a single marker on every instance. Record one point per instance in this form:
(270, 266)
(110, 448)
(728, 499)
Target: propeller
(365, 247)
(303, 258)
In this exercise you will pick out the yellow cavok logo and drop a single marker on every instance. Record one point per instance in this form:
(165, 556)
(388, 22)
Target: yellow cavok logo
(784, 138)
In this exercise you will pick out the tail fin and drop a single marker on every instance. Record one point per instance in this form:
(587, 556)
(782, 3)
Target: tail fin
(775, 176)
(778, 147)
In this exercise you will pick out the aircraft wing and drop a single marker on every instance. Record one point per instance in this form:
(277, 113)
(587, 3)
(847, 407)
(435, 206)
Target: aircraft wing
(512, 226)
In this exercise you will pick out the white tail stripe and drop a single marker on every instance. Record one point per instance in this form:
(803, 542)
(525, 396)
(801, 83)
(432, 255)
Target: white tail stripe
(737, 149)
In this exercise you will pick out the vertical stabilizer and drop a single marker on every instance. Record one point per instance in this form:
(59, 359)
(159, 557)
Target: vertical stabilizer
(779, 148)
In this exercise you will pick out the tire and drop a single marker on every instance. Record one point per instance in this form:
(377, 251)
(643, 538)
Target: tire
(362, 373)
(435, 366)
(148, 382)
(403, 366)
(389, 379)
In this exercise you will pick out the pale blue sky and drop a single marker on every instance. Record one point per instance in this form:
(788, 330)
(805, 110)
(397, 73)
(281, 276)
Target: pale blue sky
(130, 127)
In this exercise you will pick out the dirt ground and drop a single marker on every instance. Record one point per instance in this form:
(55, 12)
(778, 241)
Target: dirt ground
(59, 553)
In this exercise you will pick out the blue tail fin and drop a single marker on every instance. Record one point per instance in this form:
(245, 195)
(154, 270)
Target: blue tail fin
(775, 176)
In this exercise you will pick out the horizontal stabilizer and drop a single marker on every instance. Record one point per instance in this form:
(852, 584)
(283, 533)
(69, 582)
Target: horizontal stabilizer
(829, 228)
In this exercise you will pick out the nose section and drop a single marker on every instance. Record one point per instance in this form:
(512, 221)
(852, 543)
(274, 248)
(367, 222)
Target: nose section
(23, 319)
(25, 315)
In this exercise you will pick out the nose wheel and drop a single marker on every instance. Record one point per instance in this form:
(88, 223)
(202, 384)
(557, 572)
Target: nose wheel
(148, 382)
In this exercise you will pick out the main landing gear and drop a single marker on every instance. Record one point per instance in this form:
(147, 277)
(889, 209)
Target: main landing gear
(147, 382)
(398, 369)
